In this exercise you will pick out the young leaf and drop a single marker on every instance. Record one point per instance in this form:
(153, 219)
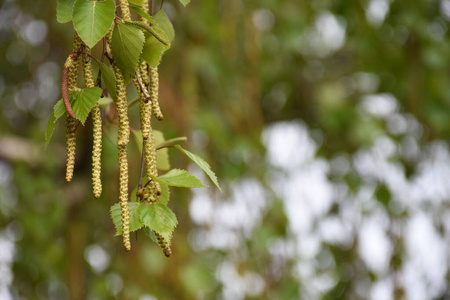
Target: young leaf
(167, 235)
(159, 218)
(179, 178)
(162, 155)
(136, 2)
(202, 164)
(58, 111)
(185, 2)
(164, 23)
(143, 14)
(108, 79)
(64, 10)
(153, 50)
(127, 43)
(83, 101)
(50, 129)
(138, 138)
(171, 141)
(103, 102)
(92, 19)
(157, 32)
(135, 220)
(165, 194)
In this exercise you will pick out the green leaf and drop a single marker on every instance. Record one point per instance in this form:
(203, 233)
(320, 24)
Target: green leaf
(162, 155)
(64, 9)
(164, 23)
(179, 178)
(202, 164)
(127, 44)
(136, 2)
(153, 50)
(167, 235)
(135, 220)
(103, 102)
(50, 129)
(165, 194)
(139, 140)
(83, 101)
(159, 217)
(185, 2)
(92, 19)
(143, 14)
(108, 79)
(171, 141)
(58, 110)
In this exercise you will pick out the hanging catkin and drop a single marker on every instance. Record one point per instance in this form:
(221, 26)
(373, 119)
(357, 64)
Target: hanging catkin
(163, 244)
(123, 196)
(125, 10)
(122, 108)
(70, 121)
(144, 108)
(154, 86)
(122, 140)
(97, 133)
(150, 165)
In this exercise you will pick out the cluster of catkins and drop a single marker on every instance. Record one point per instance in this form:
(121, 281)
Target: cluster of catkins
(146, 81)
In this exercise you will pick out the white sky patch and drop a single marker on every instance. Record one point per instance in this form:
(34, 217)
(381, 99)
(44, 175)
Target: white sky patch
(289, 145)
(445, 9)
(236, 285)
(97, 257)
(263, 19)
(382, 290)
(427, 263)
(327, 35)
(379, 105)
(376, 11)
(229, 220)
(374, 246)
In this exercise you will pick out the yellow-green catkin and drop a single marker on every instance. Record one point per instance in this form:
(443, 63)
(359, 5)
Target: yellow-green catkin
(122, 141)
(143, 68)
(154, 86)
(125, 10)
(163, 244)
(70, 122)
(123, 196)
(97, 134)
(145, 107)
(70, 147)
(150, 165)
(122, 108)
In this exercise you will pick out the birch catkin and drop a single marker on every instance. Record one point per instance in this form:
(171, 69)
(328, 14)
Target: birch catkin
(69, 84)
(122, 108)
(163, 244)
(123, 197)
(70, 147)
(97, 134)
(154, 86)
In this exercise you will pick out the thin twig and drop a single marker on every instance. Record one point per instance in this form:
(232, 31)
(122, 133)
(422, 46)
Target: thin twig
(133, 102)
(142, 88)
(141, 175)
(65, 83)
